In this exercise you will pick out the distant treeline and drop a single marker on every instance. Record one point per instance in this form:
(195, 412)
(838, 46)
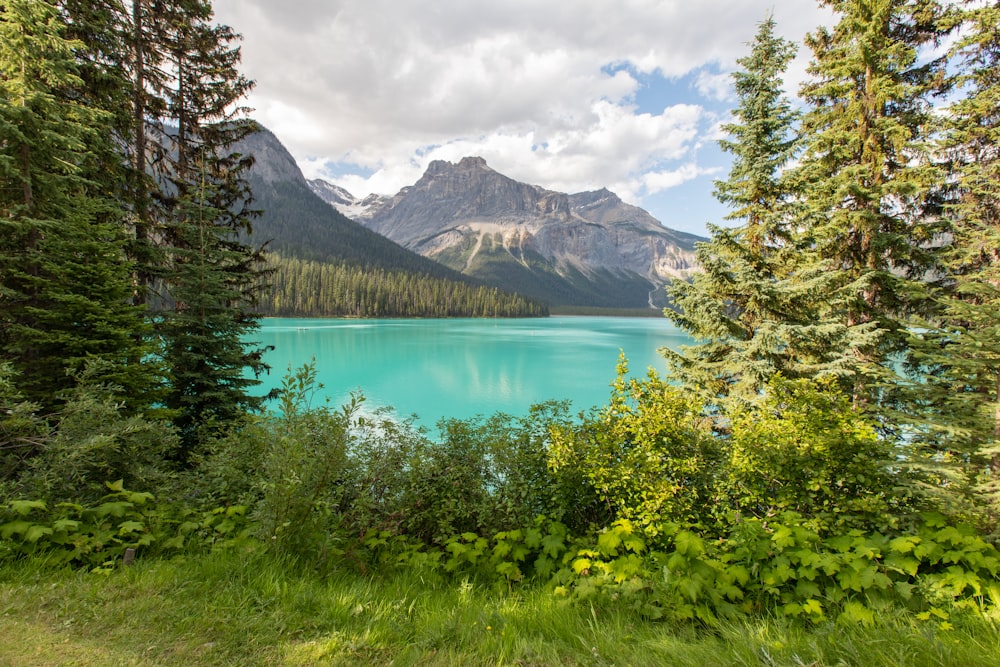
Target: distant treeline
(304, 288)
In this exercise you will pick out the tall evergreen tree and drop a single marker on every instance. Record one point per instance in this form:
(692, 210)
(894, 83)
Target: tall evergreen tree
(867, 180)
(961, 348)
(742, 307)
(209, 278)
(64, 281)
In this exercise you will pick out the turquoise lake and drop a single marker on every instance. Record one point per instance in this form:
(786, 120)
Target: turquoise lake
(467, 367)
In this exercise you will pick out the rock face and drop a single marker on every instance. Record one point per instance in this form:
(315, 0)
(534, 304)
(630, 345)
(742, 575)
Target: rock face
(480, 222)
(272, 162)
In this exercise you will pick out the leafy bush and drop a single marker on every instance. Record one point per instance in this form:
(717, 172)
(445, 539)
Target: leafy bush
(95, 440)
(802, 447)
(290, 470)
(649, 455)
(97, 534)
(784, 568)
(481, 476)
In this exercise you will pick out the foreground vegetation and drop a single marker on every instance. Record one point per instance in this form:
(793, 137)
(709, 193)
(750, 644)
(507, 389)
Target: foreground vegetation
(635, 534)
(242, 608)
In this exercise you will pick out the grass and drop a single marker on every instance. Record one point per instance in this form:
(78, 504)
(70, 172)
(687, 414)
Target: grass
(252, 609)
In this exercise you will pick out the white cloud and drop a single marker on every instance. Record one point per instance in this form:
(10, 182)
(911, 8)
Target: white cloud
(389, 85)
(715, 85)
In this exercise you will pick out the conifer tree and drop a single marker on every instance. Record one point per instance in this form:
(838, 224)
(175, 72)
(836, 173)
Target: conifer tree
(742, 306)
(210, 278)
(64, 281)
(961, 348)
(868, 179)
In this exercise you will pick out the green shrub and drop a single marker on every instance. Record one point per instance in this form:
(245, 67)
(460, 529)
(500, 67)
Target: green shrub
(649, 455)
(304, 472)
(290, 470)
(802, 448)
(482, 476)
(96, 534)
(22, 432)
(784, 568)
(95, 440)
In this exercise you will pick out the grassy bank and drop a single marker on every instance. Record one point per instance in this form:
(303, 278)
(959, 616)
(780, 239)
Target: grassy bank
(228, 609)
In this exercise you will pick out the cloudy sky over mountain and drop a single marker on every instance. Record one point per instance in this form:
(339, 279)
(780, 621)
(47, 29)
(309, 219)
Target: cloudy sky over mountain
(571, 96)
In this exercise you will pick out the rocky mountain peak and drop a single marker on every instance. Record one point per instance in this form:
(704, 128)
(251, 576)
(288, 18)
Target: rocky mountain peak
(587, 248)
(467, 167)
(468, 189)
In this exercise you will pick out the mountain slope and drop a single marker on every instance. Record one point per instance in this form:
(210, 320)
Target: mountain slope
(586, 249)
(297, 223)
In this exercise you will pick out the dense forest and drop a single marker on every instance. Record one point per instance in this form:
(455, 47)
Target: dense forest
(302, 288)
(825, 456)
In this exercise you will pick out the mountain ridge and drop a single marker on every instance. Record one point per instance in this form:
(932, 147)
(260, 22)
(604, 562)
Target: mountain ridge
(587, 248)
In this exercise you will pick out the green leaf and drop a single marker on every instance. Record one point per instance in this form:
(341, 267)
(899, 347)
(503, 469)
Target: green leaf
(65, 525)
(533, 538)
(855, 612)
(115, 509)
(553, 545)
(127, 527)
(904, 589)
(688, 544)
(23, 507)
(36, 532)
(813, 607)
(905, 564)
(783, 537)
(175, 542)
(608, 542)
(12, 528)
(905, 544)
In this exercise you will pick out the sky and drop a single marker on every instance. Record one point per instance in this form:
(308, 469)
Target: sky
(569, 95)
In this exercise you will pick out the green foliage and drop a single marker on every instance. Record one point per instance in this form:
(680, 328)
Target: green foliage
(65, 281)
(870, 190)
(958, 421)
(96, 534)
(291, 470)
(533, 552)
(22, 432)
(802, 448)
(785, 568)
(95, 439)
(481, 476)
(745, 308)
(76, 534)
(650, 455)
(302, 288)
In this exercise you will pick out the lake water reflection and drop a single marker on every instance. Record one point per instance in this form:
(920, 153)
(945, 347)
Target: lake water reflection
(464, 367)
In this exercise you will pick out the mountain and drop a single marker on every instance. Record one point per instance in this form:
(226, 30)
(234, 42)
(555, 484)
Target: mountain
(584, 249)
(344, 201)
(297, 223)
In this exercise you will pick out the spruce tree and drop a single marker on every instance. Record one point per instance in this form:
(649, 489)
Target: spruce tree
(867, 179)
(64, 281)
(961, 350)
(742, 307)
(209, 278)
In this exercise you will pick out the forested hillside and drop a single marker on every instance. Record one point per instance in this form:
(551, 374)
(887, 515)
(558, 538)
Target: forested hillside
(294, 222)
(303, 288)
